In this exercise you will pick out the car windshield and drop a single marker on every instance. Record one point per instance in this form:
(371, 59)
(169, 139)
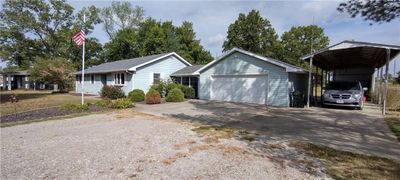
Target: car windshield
(343, 86)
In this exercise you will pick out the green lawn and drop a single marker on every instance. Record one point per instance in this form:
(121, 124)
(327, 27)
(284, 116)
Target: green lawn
(30, 100)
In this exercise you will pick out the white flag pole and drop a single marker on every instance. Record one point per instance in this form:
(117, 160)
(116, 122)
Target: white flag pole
(83, 62)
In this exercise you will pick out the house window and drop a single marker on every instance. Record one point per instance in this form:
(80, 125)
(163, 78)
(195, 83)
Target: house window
(92, 79)
(119, 78)
(156, 78)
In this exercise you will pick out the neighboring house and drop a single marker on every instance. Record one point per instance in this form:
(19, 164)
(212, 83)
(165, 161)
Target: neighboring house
(129, 74)
(20, 80)
(241, 76)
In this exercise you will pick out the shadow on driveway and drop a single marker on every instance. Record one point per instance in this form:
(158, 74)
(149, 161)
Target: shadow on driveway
(358, 131)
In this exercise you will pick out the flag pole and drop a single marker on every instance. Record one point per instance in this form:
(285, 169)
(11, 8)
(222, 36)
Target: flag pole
(83, 62)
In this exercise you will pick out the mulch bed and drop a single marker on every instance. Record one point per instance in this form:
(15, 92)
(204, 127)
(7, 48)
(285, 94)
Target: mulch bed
(43, 113)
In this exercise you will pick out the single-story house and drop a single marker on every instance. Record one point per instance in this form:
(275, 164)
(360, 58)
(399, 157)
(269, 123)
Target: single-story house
(129, 74)
(21, 80)
(241, 76)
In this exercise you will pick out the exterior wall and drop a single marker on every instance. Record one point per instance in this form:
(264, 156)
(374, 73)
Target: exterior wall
(142, 79)
(95, 88)
(238, 63)
(144, 75)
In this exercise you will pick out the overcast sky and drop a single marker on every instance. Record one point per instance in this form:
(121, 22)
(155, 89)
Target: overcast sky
(211, 19)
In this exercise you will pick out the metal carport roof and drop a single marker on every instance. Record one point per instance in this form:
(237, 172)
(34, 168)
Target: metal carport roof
(348, 54)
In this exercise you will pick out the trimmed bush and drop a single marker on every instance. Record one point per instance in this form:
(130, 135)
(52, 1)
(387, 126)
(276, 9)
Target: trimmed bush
(161, 87)
(136, 95)
(121, 103)
(74, 107)
(112, 92)
(189, 93)
(175, 95)
(153, 97)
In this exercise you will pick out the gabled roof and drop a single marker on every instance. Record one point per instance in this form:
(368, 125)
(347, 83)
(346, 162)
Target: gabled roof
(289, 68)
(129, 64)
(187, 71)
(347, 54)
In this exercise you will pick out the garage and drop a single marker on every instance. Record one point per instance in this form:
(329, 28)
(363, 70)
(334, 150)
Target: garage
(240, 88)
(245, 77)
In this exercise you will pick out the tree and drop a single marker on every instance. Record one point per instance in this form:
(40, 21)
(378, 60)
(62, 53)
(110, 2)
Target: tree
(375, 10)
(121, 15)
(56, 71)
(297, 42)
(190, 47)
(39, 28)
(123, 45)
(253, 33)
(155, 37)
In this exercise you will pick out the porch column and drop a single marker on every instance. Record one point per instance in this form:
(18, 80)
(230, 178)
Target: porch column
(190, 85)
(9, 83)
(386, 80)
(181, 80)
(372, 88)
(309, 82)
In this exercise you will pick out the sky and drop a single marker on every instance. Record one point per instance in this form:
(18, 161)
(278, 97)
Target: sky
(211, 20)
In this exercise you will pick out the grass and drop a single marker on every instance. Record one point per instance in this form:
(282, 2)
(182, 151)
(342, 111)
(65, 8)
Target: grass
(214, 133)
(30, 100)
(9, 124)
(348, 165)
(392, 119)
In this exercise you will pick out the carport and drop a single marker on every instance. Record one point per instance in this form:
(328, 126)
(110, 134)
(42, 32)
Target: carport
(353, 61)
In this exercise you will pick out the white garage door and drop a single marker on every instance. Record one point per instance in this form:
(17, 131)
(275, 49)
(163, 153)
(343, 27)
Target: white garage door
(240, 88)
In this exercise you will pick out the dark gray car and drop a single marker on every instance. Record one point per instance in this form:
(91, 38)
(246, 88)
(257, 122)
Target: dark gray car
(343, 93)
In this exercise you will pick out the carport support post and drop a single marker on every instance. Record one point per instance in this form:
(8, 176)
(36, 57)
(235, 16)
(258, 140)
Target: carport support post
(309, 82)
(386, 80)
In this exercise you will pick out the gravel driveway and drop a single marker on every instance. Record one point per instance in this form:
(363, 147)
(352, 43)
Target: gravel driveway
(129, 145)
(350, 130)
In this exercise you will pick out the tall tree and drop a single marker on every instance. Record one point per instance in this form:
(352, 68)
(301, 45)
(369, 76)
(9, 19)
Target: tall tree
(297, 42)
(154, 37)
(123, 45)
(190, 47)
(39, 28)
(253, 33)
(375, 10)
(121, 15)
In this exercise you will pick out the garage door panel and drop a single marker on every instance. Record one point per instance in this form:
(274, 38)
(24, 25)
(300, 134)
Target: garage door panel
(247, 89)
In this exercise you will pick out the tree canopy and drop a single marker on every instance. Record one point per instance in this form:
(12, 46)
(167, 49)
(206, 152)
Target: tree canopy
(121, 15)
(155, 37)
(298, 40)
(39, 28)
(253, 33)
(375, 10)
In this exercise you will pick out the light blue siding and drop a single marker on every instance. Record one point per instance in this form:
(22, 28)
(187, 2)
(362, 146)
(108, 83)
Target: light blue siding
(238, 63)
(141, 79)
(144, 75)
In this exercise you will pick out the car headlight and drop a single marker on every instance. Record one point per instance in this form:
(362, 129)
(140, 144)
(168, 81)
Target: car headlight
(357, 96)
(326, 95)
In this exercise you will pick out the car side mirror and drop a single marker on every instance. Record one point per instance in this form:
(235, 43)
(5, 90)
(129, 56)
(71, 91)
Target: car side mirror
(365, 89)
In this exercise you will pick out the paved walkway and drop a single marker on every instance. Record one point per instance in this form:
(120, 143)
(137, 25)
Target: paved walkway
(352, 130)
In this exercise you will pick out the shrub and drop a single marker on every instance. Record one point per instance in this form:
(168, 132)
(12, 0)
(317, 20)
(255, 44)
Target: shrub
(175, 95)
(112, 92)
(189, 93)
(74, 107)
(161, 87)
(153, 97)
(121, 103)
(136, 95)
(103, 103)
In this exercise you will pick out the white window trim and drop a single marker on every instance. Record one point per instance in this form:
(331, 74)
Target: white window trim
(152, 75)
(118, 84)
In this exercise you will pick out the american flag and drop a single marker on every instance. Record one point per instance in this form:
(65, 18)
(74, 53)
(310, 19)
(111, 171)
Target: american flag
(79, 37)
